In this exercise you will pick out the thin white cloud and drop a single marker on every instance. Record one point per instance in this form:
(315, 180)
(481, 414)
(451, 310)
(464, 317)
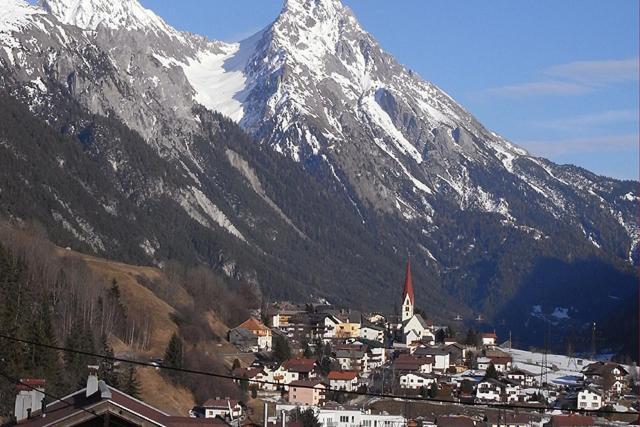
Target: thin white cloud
(597, 72)
(589, 121)
(243, 35)
(573, 78)
(540, 88)
(599, 144)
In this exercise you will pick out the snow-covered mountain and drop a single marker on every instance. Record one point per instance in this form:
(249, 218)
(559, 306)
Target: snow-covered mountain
(394, 153)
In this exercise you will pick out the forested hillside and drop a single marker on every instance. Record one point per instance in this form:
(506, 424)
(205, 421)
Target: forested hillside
(58, 297)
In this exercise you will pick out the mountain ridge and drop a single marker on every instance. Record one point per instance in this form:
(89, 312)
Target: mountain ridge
(404, 164)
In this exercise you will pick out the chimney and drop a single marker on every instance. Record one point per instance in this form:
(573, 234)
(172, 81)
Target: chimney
(29, 399)
(92, 380)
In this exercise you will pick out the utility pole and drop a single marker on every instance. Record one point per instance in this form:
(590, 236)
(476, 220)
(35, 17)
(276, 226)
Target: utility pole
(593, 341)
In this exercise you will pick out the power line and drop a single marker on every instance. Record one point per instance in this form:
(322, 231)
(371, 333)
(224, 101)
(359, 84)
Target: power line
(273, 383)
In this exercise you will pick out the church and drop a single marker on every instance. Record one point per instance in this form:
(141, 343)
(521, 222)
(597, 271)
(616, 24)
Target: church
(412, 325)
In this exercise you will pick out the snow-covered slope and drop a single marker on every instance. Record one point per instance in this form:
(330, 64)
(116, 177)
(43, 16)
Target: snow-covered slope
(416, 168)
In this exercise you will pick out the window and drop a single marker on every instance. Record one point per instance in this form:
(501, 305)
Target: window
(344, 419)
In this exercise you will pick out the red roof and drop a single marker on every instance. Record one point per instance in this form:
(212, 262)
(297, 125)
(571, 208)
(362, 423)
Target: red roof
(490, 335)
(30, 384)
(571, 421)
(220, 403)
(300, 365)
(408, 284)
(455, 421)
(252, 324)
(342, 375)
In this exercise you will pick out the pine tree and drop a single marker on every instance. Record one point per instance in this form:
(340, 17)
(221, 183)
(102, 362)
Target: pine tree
(433, 390)
(174, 357)
(491, 372)
(130, 384)
(107, 369)
(281, 349)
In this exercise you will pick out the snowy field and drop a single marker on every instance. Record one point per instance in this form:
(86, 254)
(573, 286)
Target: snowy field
(561, 370)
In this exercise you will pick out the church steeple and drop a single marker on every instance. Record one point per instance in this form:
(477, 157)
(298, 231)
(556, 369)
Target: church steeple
(407, 295)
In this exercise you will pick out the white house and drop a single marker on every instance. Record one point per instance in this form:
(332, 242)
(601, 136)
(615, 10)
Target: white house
(502, 364)
(416, 380)
(343, 380)
(377, 357)
(489, 339)
(330, 326)
(489, 390)
(525, 378)
(441, 359)
(512, 392)
(340, 417)
(372, 332)
(223, 408)
(588, 399)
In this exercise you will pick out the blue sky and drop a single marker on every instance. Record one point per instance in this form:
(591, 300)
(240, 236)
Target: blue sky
(559, 78)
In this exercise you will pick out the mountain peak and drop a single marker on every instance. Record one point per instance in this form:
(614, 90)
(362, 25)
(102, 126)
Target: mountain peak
(313, 6)
(90, 14)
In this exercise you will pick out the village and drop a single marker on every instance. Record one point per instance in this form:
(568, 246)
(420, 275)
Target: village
(315, 364)
(334, 360)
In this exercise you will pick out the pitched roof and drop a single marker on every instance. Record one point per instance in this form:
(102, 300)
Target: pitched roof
(342, 375)
(489, 335)
(299, 365)
(455, 421)
(307, 383)
(506, 418)
(219, 403)
(408, 284)
(253, 324)
(571, 421)
(106, 399)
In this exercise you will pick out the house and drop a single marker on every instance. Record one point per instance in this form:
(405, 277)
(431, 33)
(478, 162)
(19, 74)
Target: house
(307, 392)
(589, 399)
(489, 339)
(280, 314)
(101, 404)
(371, 332)
(29, 398)
(338, 416)
(353, 359)
(490, 390)
(255, 376)
(511, 391)
(440, 357)
(218, 408)
(377, 356)
(244, 340)
(349, 327)
(343, 380)
(457, 353)
(298, 369)
(570, 421)
(299, 328)
(330, 325)
(456, 421)
(494, 419)
(502, 364)
(412, 363)
(416, 381)
(523, 377)
(598, 370)
(259, 330)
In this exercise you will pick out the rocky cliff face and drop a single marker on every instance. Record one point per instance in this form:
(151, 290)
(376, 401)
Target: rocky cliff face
(399, 167)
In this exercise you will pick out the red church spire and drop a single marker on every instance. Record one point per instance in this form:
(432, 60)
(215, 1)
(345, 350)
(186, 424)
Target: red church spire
(408, 284)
